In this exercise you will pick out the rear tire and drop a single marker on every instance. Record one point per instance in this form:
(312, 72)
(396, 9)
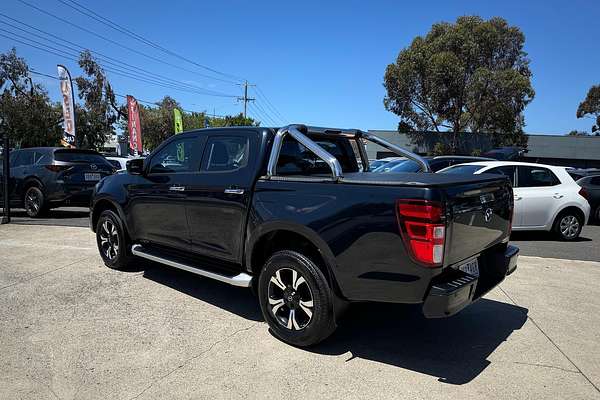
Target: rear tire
(295, 299)
(34, 202)
(568, 225)
(112, 241)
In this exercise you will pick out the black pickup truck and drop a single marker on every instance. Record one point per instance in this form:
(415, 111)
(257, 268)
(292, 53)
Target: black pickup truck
(291, 214)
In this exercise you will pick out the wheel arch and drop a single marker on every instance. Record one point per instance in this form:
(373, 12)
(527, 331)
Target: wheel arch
(275, 236)
(568, 208)
(102, 205)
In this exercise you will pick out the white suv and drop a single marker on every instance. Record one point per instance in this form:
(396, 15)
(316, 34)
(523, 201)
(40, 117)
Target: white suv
(546, 197)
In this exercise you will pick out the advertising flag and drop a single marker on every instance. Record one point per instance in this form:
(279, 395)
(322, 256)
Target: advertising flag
(68, 106)
(135, 128)
(178, 121)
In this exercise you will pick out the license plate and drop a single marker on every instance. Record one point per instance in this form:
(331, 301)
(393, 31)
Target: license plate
(470, 267)
(91, 176)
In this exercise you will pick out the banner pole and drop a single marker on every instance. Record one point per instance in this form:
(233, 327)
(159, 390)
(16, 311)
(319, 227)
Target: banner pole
(5, 176)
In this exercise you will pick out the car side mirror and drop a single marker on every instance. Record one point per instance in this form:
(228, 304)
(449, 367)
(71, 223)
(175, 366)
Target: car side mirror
(135, 166)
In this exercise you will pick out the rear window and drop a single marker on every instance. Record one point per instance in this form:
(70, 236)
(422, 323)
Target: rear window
(79, 157)
(406, 166)
(297, 159)
(461, 169)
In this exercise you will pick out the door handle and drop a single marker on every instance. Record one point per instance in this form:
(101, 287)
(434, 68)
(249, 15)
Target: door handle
(518, 198)
(177, 188)
(234, 191)
(558, 196)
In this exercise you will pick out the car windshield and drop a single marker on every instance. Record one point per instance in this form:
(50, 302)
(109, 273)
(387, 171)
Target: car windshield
(406, 166)
(387, 166)
(461, 169)
(79, 157)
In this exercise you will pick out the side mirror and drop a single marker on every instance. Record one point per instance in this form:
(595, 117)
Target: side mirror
(135, 166)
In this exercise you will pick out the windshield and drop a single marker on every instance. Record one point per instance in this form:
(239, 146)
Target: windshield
(461, 169)
(79, 157)
(406, 166)
(387, 166)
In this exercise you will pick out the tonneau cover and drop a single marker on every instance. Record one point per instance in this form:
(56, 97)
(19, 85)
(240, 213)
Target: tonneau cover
(416, 178)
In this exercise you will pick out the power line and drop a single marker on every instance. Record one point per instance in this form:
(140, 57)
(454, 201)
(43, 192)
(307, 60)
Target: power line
(245, 98)
(263, 117)
(120, 44)
(107, 59)
(260, 93)
(119, 28)
(153, 103)
(115, 70)
(263, 111)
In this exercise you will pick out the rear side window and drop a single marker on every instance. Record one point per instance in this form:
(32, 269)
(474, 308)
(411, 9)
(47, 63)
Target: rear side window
(297, 159)
(79, 157)
(436, 165)
(226, 153)
(178, 156)
(536, 177)
(507, 170)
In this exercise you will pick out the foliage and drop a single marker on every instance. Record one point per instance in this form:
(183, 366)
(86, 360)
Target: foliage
(577, 133)
(95, 119)
(25, 108)
(439, 149)
(590, 107)
(470, 76)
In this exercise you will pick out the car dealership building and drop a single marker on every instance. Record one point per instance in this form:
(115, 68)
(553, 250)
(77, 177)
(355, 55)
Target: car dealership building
(574, 151)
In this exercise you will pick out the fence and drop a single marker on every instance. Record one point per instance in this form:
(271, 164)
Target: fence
(5, 174)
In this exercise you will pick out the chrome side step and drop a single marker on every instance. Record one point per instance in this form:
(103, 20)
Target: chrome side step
(242, 279)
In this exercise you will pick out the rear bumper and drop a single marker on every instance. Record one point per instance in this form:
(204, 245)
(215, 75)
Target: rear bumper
(71, 194)
(455, 290)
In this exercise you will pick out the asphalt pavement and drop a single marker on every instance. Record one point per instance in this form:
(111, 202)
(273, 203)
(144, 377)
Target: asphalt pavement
(70, 328)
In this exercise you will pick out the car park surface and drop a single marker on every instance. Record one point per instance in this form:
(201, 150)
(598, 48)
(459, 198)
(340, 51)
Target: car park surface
(72, 328)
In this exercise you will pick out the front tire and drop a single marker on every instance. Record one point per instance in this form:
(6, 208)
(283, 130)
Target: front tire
(112, 241)
(34, 202)
(568, 225)
(295, 299)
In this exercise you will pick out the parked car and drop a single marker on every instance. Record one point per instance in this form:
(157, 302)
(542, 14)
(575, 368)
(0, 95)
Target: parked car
(120, 163)
(435, 163)
(46, 177)
(578, 173)
(508, 153)
(591, 184)
(288, 213)
(546, 197)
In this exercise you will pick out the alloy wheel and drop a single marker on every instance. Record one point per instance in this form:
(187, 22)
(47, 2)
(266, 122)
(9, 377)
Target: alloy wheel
(290, 299)
(33, 201)
(109, 240)
(569, 226)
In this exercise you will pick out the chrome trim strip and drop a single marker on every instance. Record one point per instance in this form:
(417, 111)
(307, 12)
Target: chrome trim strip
(332, 162)
(241, 280)
(398, 150)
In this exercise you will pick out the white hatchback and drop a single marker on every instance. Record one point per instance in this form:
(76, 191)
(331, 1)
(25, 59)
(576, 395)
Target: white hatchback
(546, 197)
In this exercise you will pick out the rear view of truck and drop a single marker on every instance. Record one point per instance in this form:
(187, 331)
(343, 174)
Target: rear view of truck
(417, 238)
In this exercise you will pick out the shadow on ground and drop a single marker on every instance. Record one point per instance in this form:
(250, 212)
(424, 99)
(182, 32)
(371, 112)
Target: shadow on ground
(455, 349)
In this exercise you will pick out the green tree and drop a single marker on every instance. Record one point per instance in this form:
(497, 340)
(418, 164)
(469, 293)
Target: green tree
(470, 76)
(577, 133)
(25, 108)
(590, 107)
(233, 120)
(95, 119)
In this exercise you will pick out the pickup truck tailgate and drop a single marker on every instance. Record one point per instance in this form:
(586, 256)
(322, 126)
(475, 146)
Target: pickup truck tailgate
(480, 216)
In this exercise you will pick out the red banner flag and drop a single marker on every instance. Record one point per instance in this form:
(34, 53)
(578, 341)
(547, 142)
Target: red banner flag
(135, 128)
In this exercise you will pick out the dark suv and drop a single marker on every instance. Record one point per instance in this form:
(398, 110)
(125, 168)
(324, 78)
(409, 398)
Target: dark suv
(47, 177)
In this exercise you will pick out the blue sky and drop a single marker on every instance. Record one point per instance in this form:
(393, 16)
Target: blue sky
(320, 63)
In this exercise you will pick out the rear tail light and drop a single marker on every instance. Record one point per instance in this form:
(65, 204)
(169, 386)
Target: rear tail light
(584, 193)
(423, 228)
(57, 168)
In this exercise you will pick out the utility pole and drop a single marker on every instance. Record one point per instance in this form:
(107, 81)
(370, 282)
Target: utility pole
(246, 99)
(5, 173)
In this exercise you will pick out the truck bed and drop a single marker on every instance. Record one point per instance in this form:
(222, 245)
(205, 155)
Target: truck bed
(416, 179)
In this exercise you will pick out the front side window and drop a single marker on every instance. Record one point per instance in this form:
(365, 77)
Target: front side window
(226, 153)
(536, 177)
(176, 157)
